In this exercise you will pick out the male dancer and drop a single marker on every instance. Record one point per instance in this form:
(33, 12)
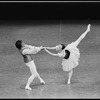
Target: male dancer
(26, 51)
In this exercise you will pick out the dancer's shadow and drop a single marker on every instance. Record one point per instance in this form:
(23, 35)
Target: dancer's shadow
(38, 91)
(33, 86)
(73, 81)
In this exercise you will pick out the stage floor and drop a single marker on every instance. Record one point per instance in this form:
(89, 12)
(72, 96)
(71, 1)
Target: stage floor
(85, 81)
(14, 74)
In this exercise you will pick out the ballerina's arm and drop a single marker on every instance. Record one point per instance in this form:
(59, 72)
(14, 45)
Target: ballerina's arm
(59, 54)
(51, 47)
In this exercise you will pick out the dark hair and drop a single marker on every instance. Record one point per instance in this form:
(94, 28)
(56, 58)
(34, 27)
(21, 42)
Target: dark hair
(63, 46)
(18, 44)
(67, 54)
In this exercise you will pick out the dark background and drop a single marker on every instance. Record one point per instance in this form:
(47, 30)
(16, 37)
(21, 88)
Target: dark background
(49, 10)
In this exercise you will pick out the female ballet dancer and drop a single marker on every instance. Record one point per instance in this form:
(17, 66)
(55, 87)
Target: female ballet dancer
(70, 54)
(26, 51)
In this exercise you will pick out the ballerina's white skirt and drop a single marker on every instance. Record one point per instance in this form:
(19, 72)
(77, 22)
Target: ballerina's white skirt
(72, 61)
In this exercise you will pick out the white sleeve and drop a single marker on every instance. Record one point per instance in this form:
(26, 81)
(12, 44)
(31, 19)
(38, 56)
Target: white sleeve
(31, 47)
(29, 51)
(37, 49)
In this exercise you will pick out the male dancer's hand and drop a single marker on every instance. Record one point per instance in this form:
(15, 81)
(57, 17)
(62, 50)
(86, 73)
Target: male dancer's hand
(43, 48)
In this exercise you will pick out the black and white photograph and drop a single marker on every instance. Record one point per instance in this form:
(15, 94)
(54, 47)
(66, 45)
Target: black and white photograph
(49, 49)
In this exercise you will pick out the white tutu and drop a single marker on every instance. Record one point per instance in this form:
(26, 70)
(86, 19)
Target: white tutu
(73, 60)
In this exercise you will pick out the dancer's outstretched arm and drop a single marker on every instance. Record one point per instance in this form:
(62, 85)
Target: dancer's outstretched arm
(59, 54)
(50, 52)
(51, 47)
(83, 35)
(34, 47)
(32, 50)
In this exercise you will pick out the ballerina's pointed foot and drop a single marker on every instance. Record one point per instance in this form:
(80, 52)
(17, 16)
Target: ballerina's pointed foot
(68, 82)
(28, 88)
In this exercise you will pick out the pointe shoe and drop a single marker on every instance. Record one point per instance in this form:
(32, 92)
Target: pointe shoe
(28, 88)
(68, 82)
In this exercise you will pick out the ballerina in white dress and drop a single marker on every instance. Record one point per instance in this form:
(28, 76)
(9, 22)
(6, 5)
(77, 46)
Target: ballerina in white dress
(70, 54)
